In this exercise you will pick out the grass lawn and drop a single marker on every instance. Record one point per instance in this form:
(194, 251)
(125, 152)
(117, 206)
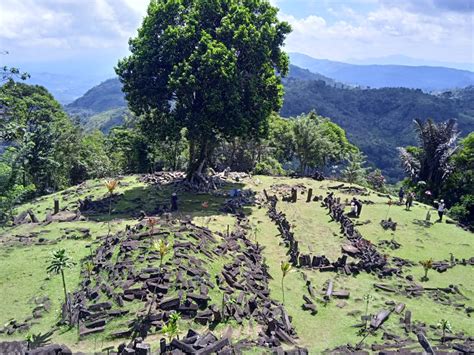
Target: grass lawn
(23, 274)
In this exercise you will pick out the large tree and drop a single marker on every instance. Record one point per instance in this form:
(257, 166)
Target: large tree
(210, 66)
(40, 136)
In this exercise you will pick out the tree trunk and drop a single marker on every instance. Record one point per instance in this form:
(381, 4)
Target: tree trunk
(64, 286)
(199, 155)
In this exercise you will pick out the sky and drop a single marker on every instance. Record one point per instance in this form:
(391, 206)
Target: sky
(89, 36)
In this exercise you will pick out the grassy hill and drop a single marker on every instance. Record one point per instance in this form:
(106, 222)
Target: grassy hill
(26, 248)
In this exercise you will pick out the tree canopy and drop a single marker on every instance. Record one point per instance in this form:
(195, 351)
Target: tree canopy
(212, 67)
(430, 162)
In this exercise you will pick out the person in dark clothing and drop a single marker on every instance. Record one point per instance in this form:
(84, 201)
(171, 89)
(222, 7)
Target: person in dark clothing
(358, 205)
(409, 201)
(401, 194)
(174, 202)
(441, 208)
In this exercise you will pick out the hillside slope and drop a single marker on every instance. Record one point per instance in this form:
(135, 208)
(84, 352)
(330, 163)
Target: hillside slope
(379, 120)
(324, 297)
(376, 120)
(378, 76)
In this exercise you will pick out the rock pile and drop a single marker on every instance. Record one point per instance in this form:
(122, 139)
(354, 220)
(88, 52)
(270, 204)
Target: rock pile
(181, 284)
(370, 259)
(42, 306)
(388, 224)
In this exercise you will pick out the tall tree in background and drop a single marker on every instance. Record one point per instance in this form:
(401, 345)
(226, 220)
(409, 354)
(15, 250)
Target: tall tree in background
(317, 142)
(39, 134)
(430, 162)
(354, 172)
(458, 190)
(209, 66)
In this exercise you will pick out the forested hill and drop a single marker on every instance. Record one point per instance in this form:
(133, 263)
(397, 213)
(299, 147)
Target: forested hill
(378, 120)
(101, 107)
(377, 76)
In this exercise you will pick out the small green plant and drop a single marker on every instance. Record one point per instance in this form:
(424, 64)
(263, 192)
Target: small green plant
(427, 265)
(58, 263)
(162, 248)
(285, 269)
(89, 268)
(38, 340)
(367, 298)
(171, 328)
(445, 327)
(111, 185)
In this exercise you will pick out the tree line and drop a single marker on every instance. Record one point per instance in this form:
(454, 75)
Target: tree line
(203, 80)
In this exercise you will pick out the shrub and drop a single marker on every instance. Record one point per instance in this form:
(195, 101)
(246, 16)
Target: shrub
(269, 166)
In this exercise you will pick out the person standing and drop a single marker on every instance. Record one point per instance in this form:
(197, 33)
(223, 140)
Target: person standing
(174, 202)
(409, 200)
(441, 208)
(401, 194)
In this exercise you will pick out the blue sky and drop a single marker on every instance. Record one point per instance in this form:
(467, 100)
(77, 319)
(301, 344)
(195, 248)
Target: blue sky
(89, 36)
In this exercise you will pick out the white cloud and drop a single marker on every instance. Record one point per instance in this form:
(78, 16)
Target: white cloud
(389, 29)
(68, 23)
(430, 29)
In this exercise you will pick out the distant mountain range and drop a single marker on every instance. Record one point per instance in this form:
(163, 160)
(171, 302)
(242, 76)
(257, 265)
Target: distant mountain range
(404, 60)
(378, 76)
(376, 120)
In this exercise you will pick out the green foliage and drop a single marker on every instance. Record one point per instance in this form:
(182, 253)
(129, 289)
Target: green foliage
(431, 161)
(354, 172)
(129, 150)
(210, 67)
(35, 124)
(318, 142)
(171, 328)
(285, 267)
(377, 120)
(269, 166)
(376, 180)
(38, 340)
(458, 191)
(92, 159)
(60, 261)
(11, 192)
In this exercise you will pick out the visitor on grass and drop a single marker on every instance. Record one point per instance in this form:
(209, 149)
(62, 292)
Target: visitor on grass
(353, 211)
(358, 205)
(441, 209)
(401, 194)
(409, 200)
(174, 202)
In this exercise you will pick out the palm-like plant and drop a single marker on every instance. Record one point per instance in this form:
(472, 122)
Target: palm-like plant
(367, 298)
(58, 263)
(111, 185)
(38, 340)
(427, 265)
(445, 328)
(431, 161)
(285, 269)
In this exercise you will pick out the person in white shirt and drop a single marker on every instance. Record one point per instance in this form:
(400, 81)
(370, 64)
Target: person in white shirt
(441, 208)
